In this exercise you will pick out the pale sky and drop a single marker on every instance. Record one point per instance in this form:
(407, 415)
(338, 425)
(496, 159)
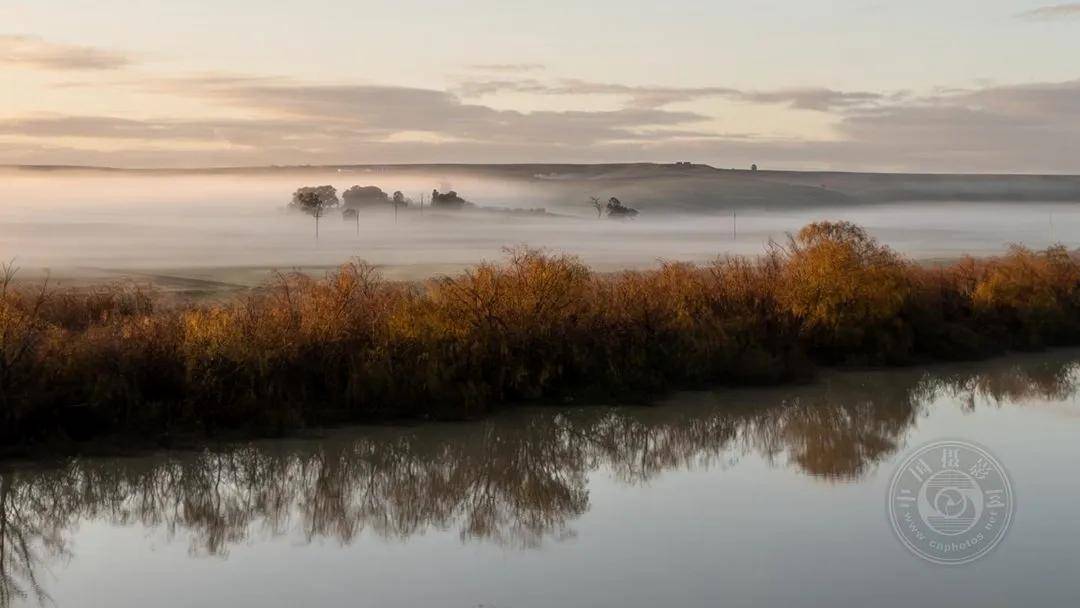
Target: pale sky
(960, 85)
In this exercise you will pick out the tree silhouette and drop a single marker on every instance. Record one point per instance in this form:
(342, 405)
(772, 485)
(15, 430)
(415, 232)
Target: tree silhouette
(364, 196)
(312, 204)
(617, 210)
(314, 201)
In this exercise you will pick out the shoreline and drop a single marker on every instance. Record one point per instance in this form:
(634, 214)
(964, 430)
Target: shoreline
(54, 453)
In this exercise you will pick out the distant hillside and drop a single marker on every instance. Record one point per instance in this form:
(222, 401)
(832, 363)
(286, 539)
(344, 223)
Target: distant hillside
(874, 187)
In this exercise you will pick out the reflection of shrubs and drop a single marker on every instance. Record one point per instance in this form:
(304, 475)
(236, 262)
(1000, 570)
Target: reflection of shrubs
(352, 347)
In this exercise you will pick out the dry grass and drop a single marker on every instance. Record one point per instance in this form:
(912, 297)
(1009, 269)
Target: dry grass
(352, 346)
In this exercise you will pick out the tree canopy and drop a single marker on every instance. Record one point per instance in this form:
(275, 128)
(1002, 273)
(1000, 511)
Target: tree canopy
(311, 198)
(365, 196)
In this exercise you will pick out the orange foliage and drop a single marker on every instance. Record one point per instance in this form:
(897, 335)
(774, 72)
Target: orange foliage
(351, 346)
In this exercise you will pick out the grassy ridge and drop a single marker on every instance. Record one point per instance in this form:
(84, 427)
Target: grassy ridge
(351, 346)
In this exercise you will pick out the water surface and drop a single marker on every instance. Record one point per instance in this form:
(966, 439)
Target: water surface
(755, 497)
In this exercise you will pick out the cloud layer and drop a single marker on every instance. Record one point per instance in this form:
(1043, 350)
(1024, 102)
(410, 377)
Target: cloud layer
(33, 52)
(653, 97)
(1015, 128)
(1053, 12)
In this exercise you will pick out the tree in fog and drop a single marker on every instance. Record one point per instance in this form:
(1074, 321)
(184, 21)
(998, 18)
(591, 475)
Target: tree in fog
(327, 194)
(312, 204)
(598, 205)
(314, 201)
(447, 200)
(357, 197)
(617, 210)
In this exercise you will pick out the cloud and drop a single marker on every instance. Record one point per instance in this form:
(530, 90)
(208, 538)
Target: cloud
(1033, 127)
(1053, 12)
(1016, 128)
(639, 96)
(244, 133)
(820, 99)
(389, 109)
(512, 68)
(333, 120)
(34, 52)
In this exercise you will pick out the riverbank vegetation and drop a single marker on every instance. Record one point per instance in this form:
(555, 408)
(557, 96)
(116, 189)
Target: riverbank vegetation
(353, 347)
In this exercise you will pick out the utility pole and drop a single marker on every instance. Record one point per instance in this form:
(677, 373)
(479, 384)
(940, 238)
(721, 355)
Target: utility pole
(357, 222)
(734, 226)
(421, 203)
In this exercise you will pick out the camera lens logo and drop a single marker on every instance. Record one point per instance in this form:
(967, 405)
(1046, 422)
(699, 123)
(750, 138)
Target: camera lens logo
(950, 502)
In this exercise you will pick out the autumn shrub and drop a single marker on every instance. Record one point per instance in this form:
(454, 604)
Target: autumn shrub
(762, 334)
(298, 342)
(847, 291)
(351, 346)
(1028, 298)
(498, 331)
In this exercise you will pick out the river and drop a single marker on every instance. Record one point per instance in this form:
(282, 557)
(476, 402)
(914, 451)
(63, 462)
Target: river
(748, 497)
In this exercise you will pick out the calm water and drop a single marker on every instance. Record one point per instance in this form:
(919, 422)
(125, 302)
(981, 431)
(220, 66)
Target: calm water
(764, 497)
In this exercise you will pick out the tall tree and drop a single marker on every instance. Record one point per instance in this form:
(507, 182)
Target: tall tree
(312, 204)
(314, 200)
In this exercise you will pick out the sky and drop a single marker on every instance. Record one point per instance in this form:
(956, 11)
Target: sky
(876, 85)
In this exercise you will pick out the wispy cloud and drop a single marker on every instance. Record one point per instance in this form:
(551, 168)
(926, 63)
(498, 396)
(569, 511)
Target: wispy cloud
(509, 68)
(1054, 12)
(34, 52)
(810, 98)
(313, 119)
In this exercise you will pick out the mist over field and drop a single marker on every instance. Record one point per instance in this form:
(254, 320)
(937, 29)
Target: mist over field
(224, 229)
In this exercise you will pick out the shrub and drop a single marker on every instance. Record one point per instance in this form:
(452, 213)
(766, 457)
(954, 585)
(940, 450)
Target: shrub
(351, 346)
(1032, 297)
(847, 291)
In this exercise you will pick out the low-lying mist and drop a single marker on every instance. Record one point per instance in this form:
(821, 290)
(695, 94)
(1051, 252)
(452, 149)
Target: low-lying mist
(232, 228)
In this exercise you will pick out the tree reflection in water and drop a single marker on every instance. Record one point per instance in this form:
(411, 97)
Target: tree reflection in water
(515, 479)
